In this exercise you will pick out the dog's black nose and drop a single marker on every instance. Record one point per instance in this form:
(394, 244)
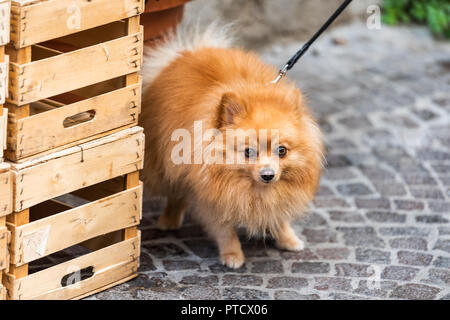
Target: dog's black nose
(267, 175)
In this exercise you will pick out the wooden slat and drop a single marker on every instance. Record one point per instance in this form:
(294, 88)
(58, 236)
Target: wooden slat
(132, 180)
(69, 71)
(49, 235)
(74, 168)
(21, 56)
(17, 219)
(4, 235)
(115, 109)
(5, 190)
(5, 11)
(110, 264)
(52, 19)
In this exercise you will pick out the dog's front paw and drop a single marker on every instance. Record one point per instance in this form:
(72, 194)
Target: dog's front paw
(233, 260)
(292, 243)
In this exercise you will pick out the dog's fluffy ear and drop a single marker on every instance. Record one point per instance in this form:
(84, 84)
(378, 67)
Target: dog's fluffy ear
(230, 108)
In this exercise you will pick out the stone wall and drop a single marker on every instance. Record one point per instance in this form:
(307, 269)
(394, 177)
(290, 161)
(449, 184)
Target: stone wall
(260, 21)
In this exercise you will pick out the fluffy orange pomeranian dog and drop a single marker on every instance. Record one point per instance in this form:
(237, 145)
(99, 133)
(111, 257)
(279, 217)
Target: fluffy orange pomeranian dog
(224, 143)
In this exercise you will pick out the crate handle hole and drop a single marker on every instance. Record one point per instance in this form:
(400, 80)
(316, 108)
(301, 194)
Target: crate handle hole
(77, 276)
(79, 118)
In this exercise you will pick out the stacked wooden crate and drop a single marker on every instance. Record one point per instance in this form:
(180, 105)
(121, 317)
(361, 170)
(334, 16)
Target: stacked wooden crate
(74, 148)
(5, 175)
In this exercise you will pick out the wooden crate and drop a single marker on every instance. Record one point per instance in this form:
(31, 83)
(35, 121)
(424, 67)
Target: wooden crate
(81, 86)
(34, 21)
(80, 277)
(104, 174)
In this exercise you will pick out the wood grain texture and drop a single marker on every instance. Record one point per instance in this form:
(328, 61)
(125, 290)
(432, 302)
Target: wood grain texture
(48, 77)
(5, 190)
(74, 168)
(45, 20)
(110, 265)
(57, 232)
(115, 109)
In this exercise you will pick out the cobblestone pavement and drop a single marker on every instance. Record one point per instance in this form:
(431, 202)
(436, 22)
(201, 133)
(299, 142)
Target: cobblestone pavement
(379, 227)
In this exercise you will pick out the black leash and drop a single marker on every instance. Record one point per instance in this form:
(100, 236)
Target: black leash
(293, 60)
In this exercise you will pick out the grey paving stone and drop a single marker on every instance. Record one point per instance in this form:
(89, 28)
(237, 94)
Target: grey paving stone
(346, 216)
(171, 265)
(333, 253)
(404, 231)
(287, 282)
(306, 254)
(329, 283)
(443, 245)
(373, 256)
(414, 258)
(335, 174)
(330, 203)
(431, 218)
(236, 293)
(415, 292)
(267, 266)
(146, 263)
(203, 292)
(377, 203)
(200, 280)
(320, 235)
(390, 189)
(203, 248)
(375, 288)
(409, 243)
(293, 295)
(399, 273)
(354, 189)
(439, 277)
(242, 280)
(165, 250)
(409, 205)
(310, 267)
(361, 236)
(353, 270)
(444, 231)
(442, 262)
(376, 173)
(344, 296)
(314, 220)
(426, 193)
(386, 217)
(439, 206)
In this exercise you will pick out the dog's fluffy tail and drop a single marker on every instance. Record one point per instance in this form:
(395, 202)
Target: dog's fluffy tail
(187, 37)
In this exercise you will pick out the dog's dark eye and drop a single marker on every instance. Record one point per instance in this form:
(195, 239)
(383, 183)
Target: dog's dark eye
(250, 153)
(282, 151)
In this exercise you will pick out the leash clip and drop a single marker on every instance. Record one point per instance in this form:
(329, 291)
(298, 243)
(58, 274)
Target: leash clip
(281, 74)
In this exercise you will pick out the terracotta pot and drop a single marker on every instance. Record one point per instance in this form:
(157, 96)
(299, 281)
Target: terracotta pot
(161, 16)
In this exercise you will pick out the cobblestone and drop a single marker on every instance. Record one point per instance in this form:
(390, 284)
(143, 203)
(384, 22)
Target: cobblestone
(414, 258)
(415, 292)
(373, 256)
(310, 267)
(379, 227)
(409, 243)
